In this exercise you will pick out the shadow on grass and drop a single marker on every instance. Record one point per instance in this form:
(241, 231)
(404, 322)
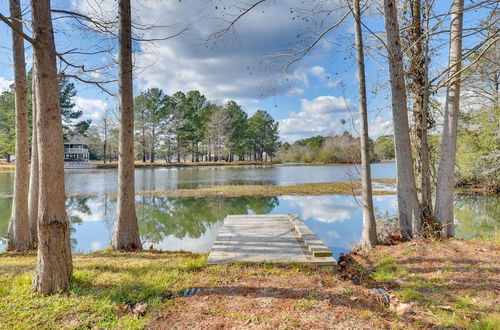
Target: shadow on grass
(368, 301)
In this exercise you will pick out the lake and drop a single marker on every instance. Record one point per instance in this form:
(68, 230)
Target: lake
(106, 180)
(192, 224)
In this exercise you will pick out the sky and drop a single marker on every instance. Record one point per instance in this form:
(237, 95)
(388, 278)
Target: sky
(314, 96)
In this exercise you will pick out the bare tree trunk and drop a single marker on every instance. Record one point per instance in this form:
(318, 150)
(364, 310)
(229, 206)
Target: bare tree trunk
(408, 208)
(418, 72)
(152, 150)
(369, 234)
(54, 264)
(19, 227)
(446, 180)
(105, 144)
(34, 168)
(126, 233)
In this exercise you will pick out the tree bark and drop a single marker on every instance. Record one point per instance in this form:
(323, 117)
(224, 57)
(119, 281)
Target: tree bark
(126, 233)
(408, 208)
(152, 150)
(34, 168)
(369, 234)
(446, 180)
(54, 264)
(19, 236)
(419, 77)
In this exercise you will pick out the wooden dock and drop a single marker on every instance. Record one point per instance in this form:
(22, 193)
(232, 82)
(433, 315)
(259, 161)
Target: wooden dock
(271, 238)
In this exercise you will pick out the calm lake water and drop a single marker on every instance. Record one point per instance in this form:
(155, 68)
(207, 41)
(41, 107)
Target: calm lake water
(100, 181)
(192, 224)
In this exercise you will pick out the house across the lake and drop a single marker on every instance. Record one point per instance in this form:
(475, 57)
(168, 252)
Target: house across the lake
(76, 149)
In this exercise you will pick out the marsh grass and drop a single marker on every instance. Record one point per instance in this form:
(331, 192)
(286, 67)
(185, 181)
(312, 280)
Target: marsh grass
(309, 189)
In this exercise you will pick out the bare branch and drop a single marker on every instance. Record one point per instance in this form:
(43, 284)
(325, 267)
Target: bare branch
(15, 29)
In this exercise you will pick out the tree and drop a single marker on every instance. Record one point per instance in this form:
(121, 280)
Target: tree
(384, 147)
(263, 135)
(151, 109)
(217, 132)
(7, 124)
(369, 234)
(126, 233)
(238, 126)
(19, 237)
(141, 124)
(408, 208)
(54, 263)
(67, 92)
(70, 116)
(34, 181)
(176, 103)
(446, 177)
(418, 72)
(191, 127)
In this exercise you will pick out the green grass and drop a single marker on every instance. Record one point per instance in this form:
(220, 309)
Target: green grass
(100, 286)
(388, 270)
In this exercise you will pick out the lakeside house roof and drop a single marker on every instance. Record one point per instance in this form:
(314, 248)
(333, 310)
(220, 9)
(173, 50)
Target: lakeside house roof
(77, 139)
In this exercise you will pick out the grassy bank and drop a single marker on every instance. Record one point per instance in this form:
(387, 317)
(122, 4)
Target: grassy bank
(137, 290)
(7, 167)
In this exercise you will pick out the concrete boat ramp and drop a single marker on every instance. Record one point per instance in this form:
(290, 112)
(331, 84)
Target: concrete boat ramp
(271, 238)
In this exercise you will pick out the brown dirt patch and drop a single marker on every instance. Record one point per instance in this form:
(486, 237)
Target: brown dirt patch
(278, 297)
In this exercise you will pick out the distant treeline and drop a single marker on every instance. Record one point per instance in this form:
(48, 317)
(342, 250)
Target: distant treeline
(187, 127)
(340, 149)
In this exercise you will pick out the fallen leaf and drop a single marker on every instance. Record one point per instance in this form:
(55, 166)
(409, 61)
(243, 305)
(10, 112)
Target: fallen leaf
(402, 308)
(353, 298)
(445, 307)
(139, 309)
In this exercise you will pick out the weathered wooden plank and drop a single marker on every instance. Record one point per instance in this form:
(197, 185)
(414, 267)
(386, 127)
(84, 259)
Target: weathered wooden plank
(272, 238)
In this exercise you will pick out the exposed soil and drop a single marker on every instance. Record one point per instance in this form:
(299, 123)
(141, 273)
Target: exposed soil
(456, 282)
(251, 299)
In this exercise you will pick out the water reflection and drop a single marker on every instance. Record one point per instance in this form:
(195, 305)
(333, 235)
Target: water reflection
(192, 224)
(478, 216)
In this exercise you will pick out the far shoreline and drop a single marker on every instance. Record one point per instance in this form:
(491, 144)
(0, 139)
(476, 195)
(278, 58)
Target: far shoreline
(11, 166)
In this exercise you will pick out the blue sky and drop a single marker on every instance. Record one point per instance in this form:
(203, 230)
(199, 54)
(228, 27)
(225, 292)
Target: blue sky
(312, 97)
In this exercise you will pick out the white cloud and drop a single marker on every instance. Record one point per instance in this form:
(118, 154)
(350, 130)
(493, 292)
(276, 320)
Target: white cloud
(235, 66)
(325, 104)
(378, 126)
(326, 209)
(315, 117)
(92, 108)
(294, 91)
(4, 84)
(334, 83)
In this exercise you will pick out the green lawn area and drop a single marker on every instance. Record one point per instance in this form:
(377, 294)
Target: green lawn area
(135, 290)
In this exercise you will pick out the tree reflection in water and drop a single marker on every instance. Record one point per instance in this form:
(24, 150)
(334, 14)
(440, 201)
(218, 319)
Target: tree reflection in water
(477, 216)
(161, 216)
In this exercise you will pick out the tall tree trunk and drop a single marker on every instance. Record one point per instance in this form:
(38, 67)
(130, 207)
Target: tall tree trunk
(408, 208)
(143, 149)
(126, 233)
(19, 228)
(54, 264)
(419, 76)
(446, 180)
(105, 144)
(34, 170)
(369, 234)
(152, 151)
